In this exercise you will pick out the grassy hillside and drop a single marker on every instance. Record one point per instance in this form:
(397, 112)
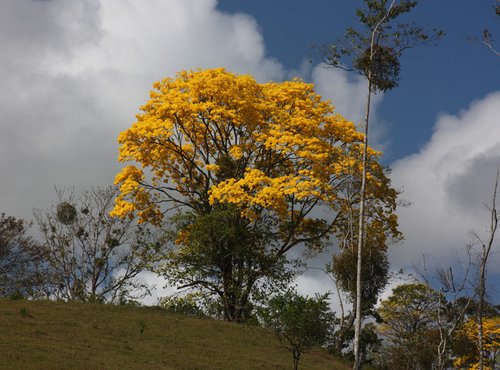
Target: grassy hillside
(55, 335)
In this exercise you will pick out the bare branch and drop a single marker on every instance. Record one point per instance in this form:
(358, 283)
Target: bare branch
(486, 41)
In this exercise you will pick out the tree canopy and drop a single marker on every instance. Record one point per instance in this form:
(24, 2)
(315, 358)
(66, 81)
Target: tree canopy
(409, 326)
(299, 322)
(19, 259)
(210, 137)
(268, 153)
(468, 356)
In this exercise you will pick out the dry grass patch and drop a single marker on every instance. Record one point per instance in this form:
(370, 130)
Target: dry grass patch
(56, 335)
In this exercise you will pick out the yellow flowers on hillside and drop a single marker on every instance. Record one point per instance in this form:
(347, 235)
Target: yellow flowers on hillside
(211, 137)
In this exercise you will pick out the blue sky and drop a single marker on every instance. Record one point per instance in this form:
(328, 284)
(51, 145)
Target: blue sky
(74, 74)
(433, 79)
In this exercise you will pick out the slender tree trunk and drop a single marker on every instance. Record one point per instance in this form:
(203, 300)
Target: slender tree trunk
(480, 308)
(358, 361)
(227, 279)
(296, 358)
(361, 227)
(486, 249)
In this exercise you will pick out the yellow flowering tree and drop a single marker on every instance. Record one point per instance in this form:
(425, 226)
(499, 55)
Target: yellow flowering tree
(468, 338)
(408, 327)
(260, 157)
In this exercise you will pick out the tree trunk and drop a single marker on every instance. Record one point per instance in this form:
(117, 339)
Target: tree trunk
(227, 282)
(296, 358)
(361, 227)
(486, 249)
(480, 308)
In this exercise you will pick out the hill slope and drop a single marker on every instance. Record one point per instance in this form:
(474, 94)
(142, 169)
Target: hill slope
(56, 335)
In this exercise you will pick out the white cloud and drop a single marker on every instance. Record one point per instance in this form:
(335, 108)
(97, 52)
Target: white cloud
(165, 37)
(159, 288)
(74, 74)
(448, 182)
(318, 282)
(348, 93)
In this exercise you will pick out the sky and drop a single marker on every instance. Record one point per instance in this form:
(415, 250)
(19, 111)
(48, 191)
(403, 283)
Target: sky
(74, 74)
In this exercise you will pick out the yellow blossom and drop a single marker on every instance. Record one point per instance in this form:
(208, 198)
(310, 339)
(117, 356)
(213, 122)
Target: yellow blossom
(212, 135)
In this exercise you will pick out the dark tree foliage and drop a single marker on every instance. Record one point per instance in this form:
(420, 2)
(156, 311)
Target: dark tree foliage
(299, 322)
(20, 259)
(221, 255)
(378, 62)
(409, 327)
(374, 270)
(374, 274)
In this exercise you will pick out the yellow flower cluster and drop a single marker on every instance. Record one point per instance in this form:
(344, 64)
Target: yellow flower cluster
(491, 338)
(214, 135)
(236, 152)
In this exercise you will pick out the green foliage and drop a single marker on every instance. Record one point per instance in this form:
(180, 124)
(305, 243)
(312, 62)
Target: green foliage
(370, 343)
(409, 327)
(374, 51)
(410, 308)
(20, 259)
(222, 255)
(185, 305)
(24, 312)
(16, 296)
(374, 273)
(299, 322)
(375, 267)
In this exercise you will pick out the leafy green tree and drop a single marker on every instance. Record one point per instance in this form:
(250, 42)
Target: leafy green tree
(375, 269)
(375, 273)
(20, 259)
(299, 322)
(89, 255)
(374, 51)
(222, 255)
(375, 277)
(409, 327)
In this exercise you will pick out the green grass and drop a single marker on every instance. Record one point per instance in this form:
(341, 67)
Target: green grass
(57, 335)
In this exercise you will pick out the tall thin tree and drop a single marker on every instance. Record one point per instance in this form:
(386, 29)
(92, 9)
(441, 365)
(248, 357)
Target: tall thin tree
(485, 246)
(374, 51)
